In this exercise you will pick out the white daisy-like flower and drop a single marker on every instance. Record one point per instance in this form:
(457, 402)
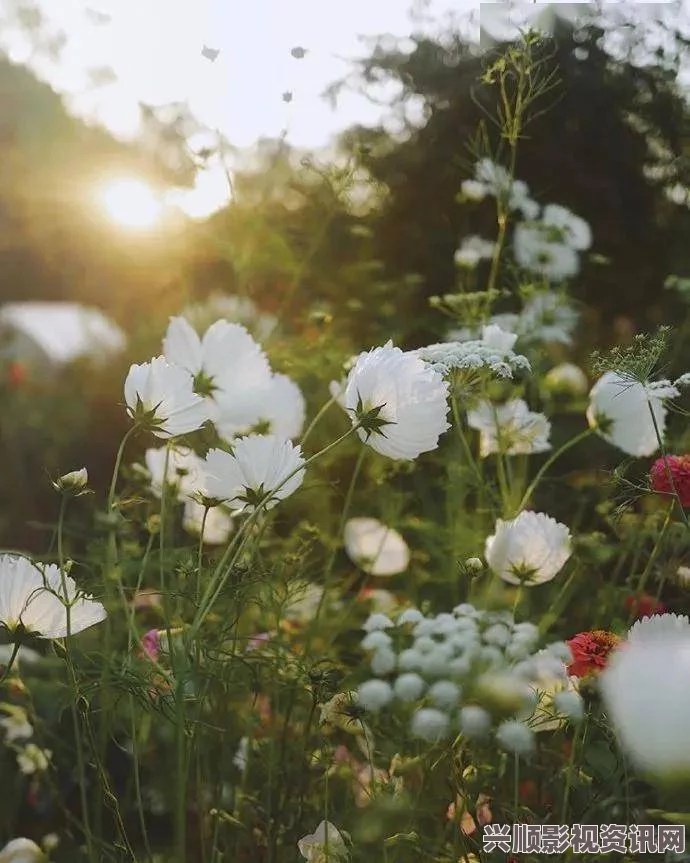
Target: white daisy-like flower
(566, 378)
(35, 599)
(619, 409)
(574, 231)
(163, 396)
(375, 548)
(217, 526)
(548, 317)
(658, 625)
(185, 470)
(647, 698)
(530, 549)
(324, 844)
(536, 251)
(402, 400)
(282, 408)
(261, 468)
(229, 369)
(510, 428)
(472, 250)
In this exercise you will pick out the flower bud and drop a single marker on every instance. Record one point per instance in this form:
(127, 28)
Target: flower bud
(73, 484)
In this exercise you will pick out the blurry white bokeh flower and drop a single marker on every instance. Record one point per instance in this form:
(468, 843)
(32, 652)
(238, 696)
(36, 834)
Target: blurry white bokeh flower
(566, 378)
(162, 396)
(573, 230)
(472, 250)
(375, 548)
(401, 401)
(323, 845)
(528, 550)
(21, 851)
(260, 467)
(536, 251)
(32, 759)
(646, 695)
(620, 409)
(510, 428)
(185, 470)
(217, 526)
(32, 598)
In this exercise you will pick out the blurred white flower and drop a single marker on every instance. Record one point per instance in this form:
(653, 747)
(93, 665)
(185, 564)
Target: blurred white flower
(402, 400)
(163, 396)
(510, 428)
(566, 378)
(530, 549)
(24, 654)
(472, 250)
(21, 851)
(381, 600)
(536, 251)
(217, 527)
(304, 601)
(185, 471)
(646, 695)
(374, 694)
(574, 231)
(323, 845)
(474, 190)
(658, 626)
(242, 755)
(16, 727)
(260, 466)
(32, 759)
(621, 410)
(547, 317)
(33, 599)
(375, 548)
(500, 340)
(241, 310)
(409, 686)
(282, 407)
(430, 724)
(515, 737)
(474, 721)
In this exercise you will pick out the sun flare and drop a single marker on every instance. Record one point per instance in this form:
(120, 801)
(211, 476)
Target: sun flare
(131, 203)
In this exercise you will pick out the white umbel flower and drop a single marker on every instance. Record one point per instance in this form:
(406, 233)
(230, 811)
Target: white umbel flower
(646, 695)
(324, 844)
(530, 549)
(163, 396)
(375, 548)
(473, 250)
(229, 368)
(537, 252)
(260, 465)
(659, 626)
(408, 398)
(574, 231)
(33, 599)
(619, 409)
(510, 428)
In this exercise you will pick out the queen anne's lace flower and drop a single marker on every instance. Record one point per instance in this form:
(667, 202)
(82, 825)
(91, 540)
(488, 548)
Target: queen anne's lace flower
(574, 231)
(377, 549)
(510, 428)
(36, 600)
(536, 251)
(162, 396)
(620, 409)
(473, 355)
(261, 468)
(401, 402)
(472, 250)
(530, 549)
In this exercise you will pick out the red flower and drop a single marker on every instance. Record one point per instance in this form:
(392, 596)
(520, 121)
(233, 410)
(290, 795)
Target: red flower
(675, 468)
(16, 374)
(644, 605)
(590, 651)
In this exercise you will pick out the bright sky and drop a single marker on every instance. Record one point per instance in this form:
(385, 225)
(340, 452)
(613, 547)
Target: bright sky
(154, 48)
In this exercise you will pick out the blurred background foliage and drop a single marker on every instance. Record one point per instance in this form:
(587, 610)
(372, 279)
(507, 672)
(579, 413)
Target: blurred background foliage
(343, 248)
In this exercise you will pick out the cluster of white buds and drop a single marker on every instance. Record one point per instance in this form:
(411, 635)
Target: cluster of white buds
(471, 672)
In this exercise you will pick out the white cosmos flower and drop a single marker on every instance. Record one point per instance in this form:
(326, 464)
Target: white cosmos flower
(375, 548)
(472, 250)
(530, 549)
(21, 851)
(217, 527)
(229, 369)
(167, 393)
(282, 407)
(412, 399)
(575, 232)
(510, 428)
(647, 697)
(619, 409)
(33, 598)
(259, 465)
(659, 626)
(184, 470)
(323, 845)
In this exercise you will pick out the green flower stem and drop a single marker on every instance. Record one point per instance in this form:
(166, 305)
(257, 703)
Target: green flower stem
(10, 662)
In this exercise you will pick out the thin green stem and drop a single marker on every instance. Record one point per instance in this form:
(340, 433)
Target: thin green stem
(549, 461)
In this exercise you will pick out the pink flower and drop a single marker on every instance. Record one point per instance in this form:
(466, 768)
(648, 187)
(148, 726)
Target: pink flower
(675, 468)
(151, 644)
(257, 640)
